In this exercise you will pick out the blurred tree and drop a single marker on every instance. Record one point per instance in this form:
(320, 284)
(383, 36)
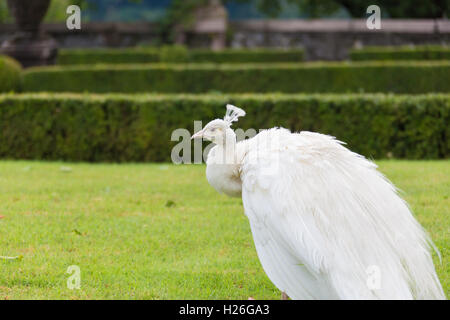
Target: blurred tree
(357, 8)
(5, 17)
(55, 13)
(179, 10)
(124, 10)
(394, 9)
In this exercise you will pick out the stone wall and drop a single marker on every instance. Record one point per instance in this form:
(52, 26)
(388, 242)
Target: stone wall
(332, 39)
(321, 39)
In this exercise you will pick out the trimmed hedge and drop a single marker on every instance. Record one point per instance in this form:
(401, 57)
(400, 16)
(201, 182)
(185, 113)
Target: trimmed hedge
(401, 53)
(138, 127)
(147, 55)
(112, 56)
(10, 71)
(247, 55)
(173, 54)
(396, 77)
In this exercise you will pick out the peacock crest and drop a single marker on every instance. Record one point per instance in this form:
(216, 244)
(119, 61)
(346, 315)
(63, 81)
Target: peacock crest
(232, 114)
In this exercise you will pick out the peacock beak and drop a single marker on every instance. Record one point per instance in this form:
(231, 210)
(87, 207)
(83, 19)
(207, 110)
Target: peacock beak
(199, 134)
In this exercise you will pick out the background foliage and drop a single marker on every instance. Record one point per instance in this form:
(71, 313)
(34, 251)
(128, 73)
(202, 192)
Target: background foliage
(10, 74)
(171, 11)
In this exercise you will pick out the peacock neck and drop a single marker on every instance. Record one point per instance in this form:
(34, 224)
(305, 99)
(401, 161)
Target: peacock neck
(226, 148)
(222, 169)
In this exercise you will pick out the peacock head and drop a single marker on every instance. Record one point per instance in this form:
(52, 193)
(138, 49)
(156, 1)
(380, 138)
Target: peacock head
(218, 130)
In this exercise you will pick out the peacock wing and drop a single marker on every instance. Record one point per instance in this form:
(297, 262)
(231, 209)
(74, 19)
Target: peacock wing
(325, 221)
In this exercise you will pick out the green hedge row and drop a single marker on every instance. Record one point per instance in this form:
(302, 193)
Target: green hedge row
(246, 56)
(401, 53)
(147, 55)
(79, 127)
(396, 77)
(94, 56)
(9, 74)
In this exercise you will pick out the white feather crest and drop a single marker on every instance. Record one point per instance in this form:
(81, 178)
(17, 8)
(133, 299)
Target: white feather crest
(233, 113)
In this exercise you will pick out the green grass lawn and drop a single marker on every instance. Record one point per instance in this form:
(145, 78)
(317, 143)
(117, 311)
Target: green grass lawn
(156, 231)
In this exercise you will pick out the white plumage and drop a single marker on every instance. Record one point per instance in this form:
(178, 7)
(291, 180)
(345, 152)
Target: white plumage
(321, 216)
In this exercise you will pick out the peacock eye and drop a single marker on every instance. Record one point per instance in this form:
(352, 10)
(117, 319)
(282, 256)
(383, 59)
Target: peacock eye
(213, 129)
